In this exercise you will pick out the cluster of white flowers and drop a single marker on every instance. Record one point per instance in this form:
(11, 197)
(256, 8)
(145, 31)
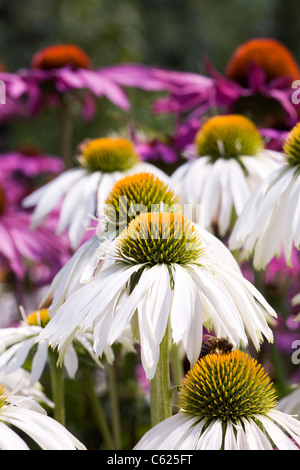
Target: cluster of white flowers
(162, 271)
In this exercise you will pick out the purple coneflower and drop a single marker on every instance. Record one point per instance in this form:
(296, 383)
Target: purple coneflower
(257, 82)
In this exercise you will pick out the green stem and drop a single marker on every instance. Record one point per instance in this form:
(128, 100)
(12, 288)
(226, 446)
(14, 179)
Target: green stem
(114, 401)
(176, 369)
(160, 391)
(65, 132)
(57, 388)
(281, 380)
(99, 414)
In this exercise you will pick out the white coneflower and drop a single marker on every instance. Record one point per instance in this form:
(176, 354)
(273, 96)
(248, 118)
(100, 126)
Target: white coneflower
(163, 269)
(19, 382)
(227, 402)
(131, 195)
(227, 164)
(83, 190)
(290, 403)
(27, 416)
(270, 220)
(18, 343)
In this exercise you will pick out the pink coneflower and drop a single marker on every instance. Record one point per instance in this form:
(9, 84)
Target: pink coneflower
(12, 103)
(63, 76)
(274, 139)
(65, 68)
(187, 91)
(20, 246)
(30, 162)
(22, 169)
(257, 81)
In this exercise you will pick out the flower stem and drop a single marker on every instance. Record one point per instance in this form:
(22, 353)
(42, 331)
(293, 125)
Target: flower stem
(57, 388)
(114, 401)
(177, 371)
(160, 390)
(99, 414)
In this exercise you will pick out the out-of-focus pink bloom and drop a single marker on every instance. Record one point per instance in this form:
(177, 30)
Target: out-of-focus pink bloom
(248, 271)
(273, 138)
(153, 150)
(185, 134)
(138, 76)
(15, 93)
(30, 162)
(167, 148)
(19, 244)
(21, 247)
(142, 379)
(285, 333)
(67, 80)
(20, 170)
(259, 68)
(65, 68)
(277, 269)
(187, 91)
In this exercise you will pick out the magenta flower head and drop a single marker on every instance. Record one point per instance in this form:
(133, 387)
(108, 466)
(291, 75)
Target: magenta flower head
(13, 90)
(66, 68)
(21, 169)
(187, 92)
(30, 162)
(258, 82)
(22, 247)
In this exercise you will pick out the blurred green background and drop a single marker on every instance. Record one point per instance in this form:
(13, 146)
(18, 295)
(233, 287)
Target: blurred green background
(175, 34)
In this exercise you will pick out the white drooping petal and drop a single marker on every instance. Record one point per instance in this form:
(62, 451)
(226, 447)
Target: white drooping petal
(45, 431)
(47, 198)
(186, 313)
(210, 199)
(223, 185)
(224, 215)
(190, 435)
(78, 270)
(153, 316)
(106, 183)
(182, 302)
(290, 403)
(9, 440)
(211, 438)
(15, 356)
(217, 251)
(158, 438)
(239, 185)
(222, 309)
(257, 314)
(277, 232)
(255, 438)
(296, 216)
(86, 304)
(281, 440)
(268, 222)
(287, 422)
(230, 442)
(128, 305)
(78, 205)
(71, 361)
(39, 362)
